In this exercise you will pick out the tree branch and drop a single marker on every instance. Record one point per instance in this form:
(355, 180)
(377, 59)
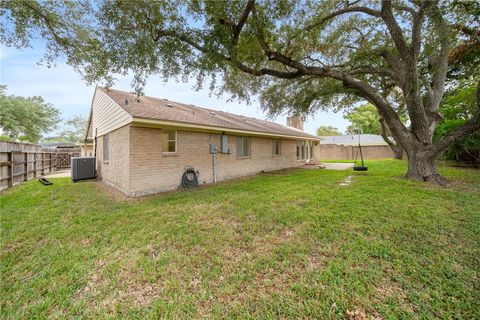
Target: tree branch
(237, 28)
(255, 72)
(441, 62)
(348, 9)
(382, 71)
(469, 127)
(417, 29)
(396, 148)
(397, 66)
(395, 31)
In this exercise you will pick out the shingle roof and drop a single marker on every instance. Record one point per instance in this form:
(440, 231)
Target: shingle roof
(163, 109)
(58, 144)
(352, 139)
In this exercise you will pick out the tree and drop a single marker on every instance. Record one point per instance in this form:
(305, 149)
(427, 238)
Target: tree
(297, 57)
(365, 119)
(328, 131)
(26, 119)
(74, 129)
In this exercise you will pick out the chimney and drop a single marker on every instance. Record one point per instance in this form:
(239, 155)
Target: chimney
(295, 122)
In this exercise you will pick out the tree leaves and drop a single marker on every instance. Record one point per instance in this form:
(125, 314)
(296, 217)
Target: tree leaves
(26, 119)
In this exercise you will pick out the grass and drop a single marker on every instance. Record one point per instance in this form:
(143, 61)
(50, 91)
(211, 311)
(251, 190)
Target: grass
(290, 244)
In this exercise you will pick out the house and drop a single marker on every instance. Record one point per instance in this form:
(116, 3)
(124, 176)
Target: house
(58, 145)
(86, 148)
(144, 144)
(344, 147)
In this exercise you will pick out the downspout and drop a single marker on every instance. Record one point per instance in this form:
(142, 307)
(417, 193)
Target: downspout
(95, 150)
(214, 167)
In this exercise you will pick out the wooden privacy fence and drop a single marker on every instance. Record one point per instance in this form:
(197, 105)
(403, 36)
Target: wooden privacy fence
(22, 161)
(23, 166)
(65, 155)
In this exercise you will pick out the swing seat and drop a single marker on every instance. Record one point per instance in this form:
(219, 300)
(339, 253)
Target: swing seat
(360, 168)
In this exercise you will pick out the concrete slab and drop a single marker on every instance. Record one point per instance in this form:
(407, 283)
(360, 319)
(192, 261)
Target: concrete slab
(336, 165)
(59, 174)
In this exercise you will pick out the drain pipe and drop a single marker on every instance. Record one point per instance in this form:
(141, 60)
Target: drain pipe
(214, 171)
(213, 151)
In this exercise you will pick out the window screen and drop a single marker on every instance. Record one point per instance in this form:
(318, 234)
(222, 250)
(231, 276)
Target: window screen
(106, 151)
(300, 150)
(276, 147)
(169, 141)
(243, 146)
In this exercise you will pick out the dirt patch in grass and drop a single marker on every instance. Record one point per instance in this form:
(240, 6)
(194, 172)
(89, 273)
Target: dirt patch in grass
(126, 286)
(112, 192)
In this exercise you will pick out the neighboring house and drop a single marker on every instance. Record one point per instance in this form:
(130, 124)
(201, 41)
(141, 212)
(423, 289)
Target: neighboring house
(145, 144)
(344, 147)
(86, 148)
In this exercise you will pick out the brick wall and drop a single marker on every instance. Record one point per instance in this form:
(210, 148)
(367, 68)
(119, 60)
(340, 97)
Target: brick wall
(152, 171)
(115, 170)
(147, 170)
(336, 152)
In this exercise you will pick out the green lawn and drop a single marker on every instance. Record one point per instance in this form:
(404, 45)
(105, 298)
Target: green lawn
(291, 244)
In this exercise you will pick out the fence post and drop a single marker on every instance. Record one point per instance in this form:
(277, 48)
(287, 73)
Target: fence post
(35, 165)
(26, 166)
(43, 163)
(10, 169)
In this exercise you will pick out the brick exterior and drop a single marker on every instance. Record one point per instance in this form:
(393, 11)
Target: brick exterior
(295, 122)
(137, 165)
(115, 171)
(337, 152)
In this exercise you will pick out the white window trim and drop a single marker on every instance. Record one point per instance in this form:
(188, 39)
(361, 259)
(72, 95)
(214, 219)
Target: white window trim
(106, 161)
(307, 145)
(279, 147)
(171, 153)
(249, 148)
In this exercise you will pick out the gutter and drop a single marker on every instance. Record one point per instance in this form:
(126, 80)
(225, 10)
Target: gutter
(145, 122)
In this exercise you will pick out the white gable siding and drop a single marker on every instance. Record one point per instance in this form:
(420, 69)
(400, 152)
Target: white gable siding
(107, 115)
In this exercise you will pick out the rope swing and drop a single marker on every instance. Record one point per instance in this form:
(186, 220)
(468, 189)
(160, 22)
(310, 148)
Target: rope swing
(359, 150)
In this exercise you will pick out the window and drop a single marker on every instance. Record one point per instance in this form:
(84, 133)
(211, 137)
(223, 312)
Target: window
(304, 150)
(243, 147)
(300, 150)
(308, 150)
(106, 151)
(169, 141)
(276, 147)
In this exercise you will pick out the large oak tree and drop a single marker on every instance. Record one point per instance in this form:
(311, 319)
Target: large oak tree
(296, 56)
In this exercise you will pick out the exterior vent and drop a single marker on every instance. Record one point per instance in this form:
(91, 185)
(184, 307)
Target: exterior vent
(212, 113)
(83, 168)
(126, 102)
(169, 105)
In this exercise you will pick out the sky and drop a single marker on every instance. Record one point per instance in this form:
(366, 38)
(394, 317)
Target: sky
(64, 88)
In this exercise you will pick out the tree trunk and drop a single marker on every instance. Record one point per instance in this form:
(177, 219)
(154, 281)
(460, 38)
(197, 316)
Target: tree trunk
(422, 166)
(397, 152)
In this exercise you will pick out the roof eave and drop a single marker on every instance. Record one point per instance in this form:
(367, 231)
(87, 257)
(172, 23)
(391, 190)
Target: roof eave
(139, 121)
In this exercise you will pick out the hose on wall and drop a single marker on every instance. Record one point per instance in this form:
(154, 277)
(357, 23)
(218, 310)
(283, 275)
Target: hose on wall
(190, 178)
